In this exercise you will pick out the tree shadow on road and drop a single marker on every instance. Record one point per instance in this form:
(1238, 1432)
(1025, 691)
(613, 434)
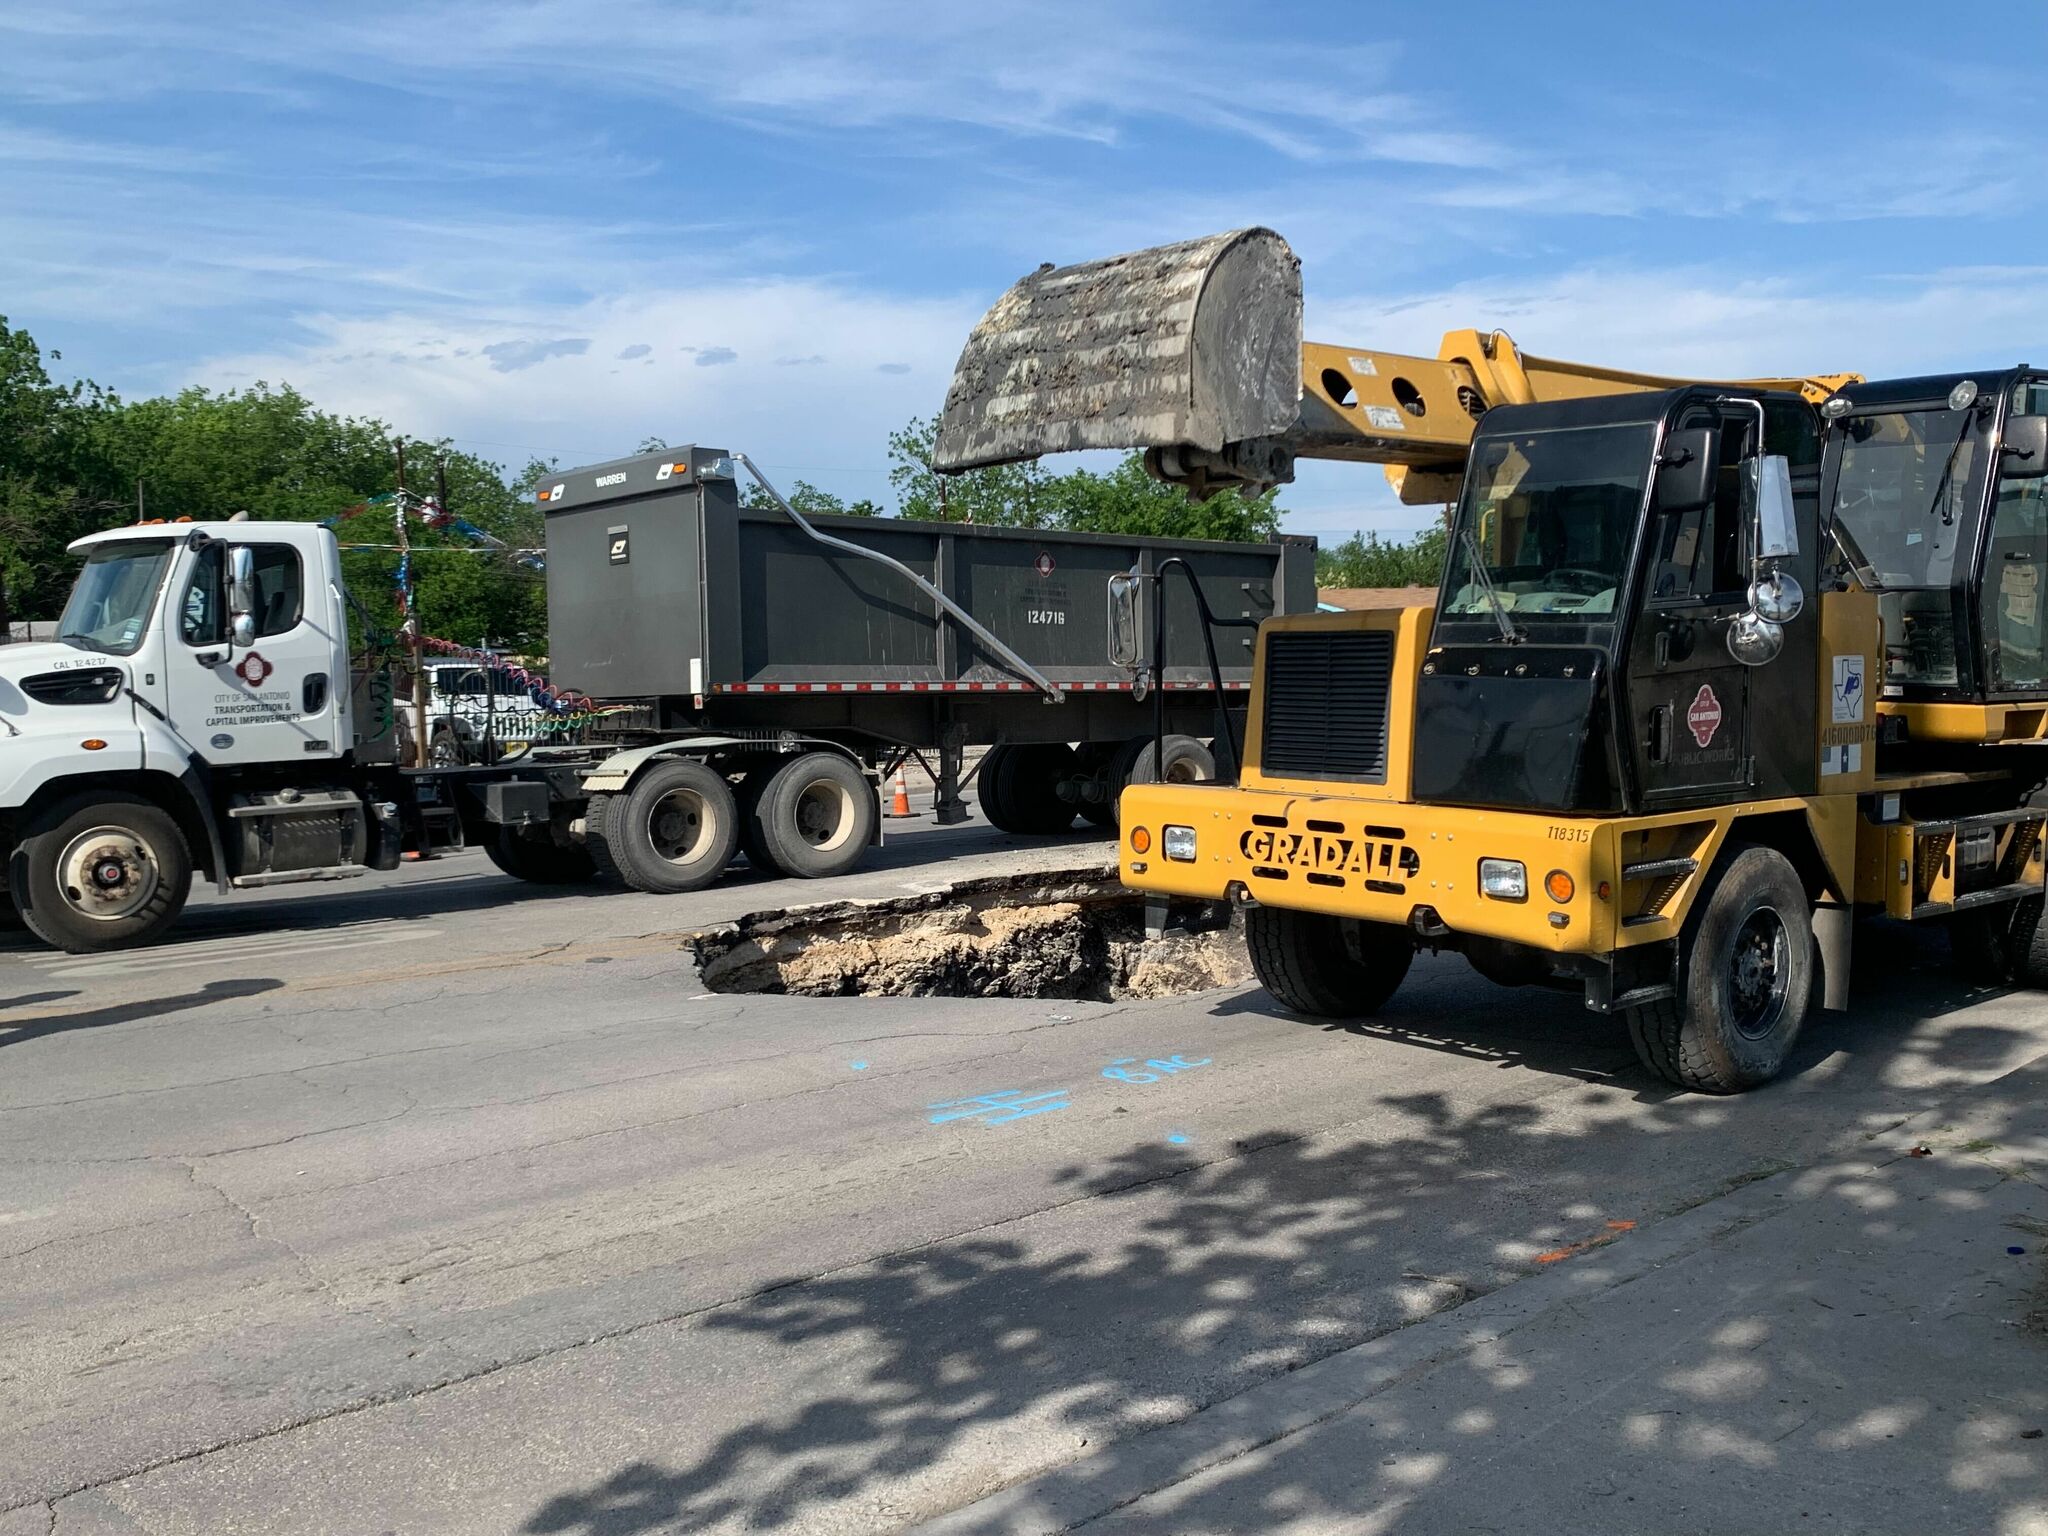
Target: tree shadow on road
(127, 1013)
(914, 1383)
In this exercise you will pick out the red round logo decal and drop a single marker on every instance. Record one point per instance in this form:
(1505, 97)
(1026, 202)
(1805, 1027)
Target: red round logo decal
(253, 669)
(1703, 716)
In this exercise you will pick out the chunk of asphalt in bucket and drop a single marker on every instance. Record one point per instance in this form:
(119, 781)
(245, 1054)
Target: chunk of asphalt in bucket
(1072, 934)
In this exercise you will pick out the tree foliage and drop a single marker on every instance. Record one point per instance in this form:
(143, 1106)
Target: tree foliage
(75, 459)
(1367, 560)
(1122, 500)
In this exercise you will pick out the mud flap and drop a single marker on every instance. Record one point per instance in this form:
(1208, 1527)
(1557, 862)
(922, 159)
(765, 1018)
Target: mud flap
(1834, 927)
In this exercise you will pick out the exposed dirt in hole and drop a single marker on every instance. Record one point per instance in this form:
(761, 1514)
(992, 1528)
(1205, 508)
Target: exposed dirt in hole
(1076, 935)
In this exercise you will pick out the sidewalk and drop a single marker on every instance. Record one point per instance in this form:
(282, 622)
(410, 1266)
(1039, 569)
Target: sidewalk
(1854, 1346)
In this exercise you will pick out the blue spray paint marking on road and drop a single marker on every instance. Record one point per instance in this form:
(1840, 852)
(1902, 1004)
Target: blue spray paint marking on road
(1179, 1140)
(999, 1108)
(858, 1066)
(1125, 1070)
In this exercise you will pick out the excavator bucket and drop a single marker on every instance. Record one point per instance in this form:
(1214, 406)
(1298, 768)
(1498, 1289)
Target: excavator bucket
(1195, 345)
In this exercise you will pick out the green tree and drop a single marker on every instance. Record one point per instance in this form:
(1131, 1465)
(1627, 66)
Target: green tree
(1127, 500)
(1367, 560)
(1123, 500)
(810, 501)
(1005, 495)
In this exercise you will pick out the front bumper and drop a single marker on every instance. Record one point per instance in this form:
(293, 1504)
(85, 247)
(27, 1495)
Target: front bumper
(1415, 865)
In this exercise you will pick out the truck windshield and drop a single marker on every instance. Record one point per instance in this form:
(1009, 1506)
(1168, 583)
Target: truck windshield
(112, 599)
(1545, 526)
(1907, 487)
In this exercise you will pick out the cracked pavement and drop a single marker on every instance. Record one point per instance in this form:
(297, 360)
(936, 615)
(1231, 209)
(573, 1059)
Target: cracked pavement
(438, 1203)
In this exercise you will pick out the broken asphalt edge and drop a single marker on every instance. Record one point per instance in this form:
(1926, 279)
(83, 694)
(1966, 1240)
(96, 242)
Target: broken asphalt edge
(1124, 1471)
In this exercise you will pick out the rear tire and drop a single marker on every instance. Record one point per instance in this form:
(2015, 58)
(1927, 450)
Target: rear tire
(673, 830)
(1187, 762)
(99, 872)
(992, 789)
(747, 797)
(2030, 942)
(815, 816)
(1020, 788)
(2001, 946)
(1745, 981)
(1323, 966)
(538, 860)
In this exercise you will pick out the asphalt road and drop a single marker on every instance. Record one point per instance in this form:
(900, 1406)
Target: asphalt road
(435, 1203)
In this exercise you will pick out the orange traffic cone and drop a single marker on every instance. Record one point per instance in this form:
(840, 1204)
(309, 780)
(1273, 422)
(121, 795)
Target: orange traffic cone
(900, 805)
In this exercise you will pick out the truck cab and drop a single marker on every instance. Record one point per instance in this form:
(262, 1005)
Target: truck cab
(1936, 501)
(195, 710)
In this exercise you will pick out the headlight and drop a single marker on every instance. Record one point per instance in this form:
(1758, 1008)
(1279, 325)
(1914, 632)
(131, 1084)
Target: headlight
(1178, 843)
(1504, 879)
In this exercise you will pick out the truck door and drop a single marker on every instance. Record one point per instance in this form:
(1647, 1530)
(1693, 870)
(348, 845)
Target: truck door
(274, 700)
(1688, 699)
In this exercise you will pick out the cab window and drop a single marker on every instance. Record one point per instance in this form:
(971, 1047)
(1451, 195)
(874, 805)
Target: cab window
(280, 588)
(1698, 554)
(280, 594)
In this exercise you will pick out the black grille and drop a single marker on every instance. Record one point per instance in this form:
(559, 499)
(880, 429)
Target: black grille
(94, 685)
(1326, 704)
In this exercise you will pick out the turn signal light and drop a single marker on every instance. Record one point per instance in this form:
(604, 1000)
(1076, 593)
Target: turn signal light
(93, 744)
(1141, 840)
(1558, 886)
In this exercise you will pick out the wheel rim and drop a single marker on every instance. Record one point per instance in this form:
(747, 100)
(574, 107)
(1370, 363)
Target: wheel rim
(824, 814)
(1759, 971)
(108, 873)
(1183, 770)
(681, 825)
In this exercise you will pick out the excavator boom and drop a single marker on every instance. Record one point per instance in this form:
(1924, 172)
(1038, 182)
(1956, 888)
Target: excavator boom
(1194, 352)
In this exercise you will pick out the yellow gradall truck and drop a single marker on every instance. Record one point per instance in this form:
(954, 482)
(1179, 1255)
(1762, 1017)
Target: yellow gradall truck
(1713, 671)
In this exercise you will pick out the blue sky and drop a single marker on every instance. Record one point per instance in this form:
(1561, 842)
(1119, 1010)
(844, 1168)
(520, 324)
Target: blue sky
(553, 229)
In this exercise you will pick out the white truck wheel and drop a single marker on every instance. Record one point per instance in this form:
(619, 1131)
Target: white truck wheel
(101, 872)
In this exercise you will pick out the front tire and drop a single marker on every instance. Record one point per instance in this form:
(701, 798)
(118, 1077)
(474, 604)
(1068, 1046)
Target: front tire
(101, 872)
(1323, 966)
(674, 829)
(1745, 981)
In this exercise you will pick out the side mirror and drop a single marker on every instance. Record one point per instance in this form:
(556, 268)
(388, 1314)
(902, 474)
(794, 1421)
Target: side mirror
(1777, 527)
(1125, 649)
(1686, 469)
(242, 595)
(2024, 455)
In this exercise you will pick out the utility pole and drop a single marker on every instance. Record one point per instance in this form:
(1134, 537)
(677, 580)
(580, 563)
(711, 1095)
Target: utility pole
(410, 622)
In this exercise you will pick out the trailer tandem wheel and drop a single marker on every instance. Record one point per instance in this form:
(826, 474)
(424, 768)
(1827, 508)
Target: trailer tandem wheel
(815, 816)
(673, 829)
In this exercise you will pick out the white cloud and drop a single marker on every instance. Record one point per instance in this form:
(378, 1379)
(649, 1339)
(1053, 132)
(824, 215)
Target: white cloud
(436, 375)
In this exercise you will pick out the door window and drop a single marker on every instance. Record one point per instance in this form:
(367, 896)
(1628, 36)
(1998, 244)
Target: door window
(203, 611)
(1698, 556)
(280, 588)
(2015, 565)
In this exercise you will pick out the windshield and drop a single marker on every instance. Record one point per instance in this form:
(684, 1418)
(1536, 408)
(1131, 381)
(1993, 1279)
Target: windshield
(1907, 487)
(111, 602)
(1545, 525)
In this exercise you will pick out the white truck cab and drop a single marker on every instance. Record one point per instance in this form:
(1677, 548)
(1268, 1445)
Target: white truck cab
(195, 709)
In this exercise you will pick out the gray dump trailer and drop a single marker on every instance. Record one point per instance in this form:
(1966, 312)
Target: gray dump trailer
(765, 672)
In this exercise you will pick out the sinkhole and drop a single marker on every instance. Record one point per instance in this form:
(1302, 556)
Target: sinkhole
(1074, 934)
